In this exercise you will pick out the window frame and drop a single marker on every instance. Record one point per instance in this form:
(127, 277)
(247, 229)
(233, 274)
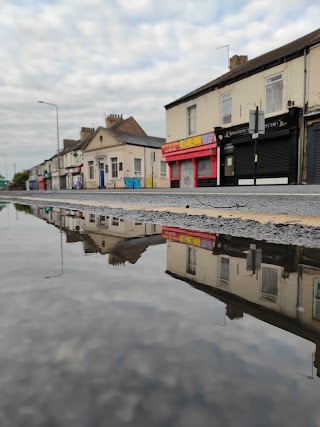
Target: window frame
(191, 118)
(90, 164)
(222, 281)
(137, 173)
(225, 97)
(269, 112)
(116, 171)
(115, 221)
(165, 174)
(316, 299)
(264, 295)
(191, 264)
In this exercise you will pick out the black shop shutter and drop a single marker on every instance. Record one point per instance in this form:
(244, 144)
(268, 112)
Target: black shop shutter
(244, 159)
(274, 157)
(317, 157)
(314, 154)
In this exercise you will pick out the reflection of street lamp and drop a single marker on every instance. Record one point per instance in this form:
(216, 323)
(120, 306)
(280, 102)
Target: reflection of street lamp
(310, 377)
(56, 107)
(61, 251)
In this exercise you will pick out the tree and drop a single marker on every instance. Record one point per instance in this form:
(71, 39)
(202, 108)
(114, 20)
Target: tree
(20, 178)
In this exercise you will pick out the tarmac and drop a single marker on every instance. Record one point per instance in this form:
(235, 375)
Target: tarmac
(286, 214)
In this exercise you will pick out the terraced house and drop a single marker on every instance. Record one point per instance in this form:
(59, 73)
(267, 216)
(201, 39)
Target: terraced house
(207, 130)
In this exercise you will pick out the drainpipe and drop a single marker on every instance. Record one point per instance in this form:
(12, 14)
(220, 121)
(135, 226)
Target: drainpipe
(145, 167)
(302, 133)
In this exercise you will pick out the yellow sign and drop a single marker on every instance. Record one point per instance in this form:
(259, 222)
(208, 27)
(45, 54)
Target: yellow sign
(190, 240)
(190, 142)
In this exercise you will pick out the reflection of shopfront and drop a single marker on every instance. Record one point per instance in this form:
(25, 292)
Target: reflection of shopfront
(192, 162)
(277, 152)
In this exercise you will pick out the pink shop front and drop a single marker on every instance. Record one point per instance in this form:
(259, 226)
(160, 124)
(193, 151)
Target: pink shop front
(192, 162)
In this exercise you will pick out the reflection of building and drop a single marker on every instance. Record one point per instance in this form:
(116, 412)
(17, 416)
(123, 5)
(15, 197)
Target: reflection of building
(284, 290)
(123, 240)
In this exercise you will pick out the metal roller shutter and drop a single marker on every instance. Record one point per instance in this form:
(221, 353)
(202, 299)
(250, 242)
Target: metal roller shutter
(317, 157)
(273, 158)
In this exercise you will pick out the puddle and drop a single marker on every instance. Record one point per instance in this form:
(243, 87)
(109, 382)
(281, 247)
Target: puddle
(105, 321)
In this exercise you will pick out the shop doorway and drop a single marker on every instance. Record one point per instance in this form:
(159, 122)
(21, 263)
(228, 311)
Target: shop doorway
(101, 180)
(228, 169)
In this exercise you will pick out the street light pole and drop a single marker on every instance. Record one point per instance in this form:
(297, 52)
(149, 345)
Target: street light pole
(56, 107)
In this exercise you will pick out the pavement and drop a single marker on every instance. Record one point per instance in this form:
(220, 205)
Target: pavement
(281, 214)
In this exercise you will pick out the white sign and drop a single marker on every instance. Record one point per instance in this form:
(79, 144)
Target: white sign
(261, 122)
(152, 157)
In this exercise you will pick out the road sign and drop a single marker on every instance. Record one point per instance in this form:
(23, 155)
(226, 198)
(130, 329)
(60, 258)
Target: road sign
(261, 129)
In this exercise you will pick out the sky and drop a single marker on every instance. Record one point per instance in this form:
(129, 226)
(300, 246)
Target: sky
(93, 58)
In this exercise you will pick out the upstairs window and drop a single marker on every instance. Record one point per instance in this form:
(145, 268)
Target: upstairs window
(192, 120)
(269, 286)
(226, 108)
(274, 93)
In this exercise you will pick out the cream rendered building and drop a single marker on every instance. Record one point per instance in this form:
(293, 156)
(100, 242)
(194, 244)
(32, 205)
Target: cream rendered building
(285, 84)
(121, 155)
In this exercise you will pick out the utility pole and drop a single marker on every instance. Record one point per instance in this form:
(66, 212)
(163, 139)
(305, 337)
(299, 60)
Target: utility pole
(256, 128)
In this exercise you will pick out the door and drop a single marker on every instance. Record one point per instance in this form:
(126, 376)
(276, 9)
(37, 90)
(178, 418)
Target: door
(228, 169)
(101, 168)
(187, 175)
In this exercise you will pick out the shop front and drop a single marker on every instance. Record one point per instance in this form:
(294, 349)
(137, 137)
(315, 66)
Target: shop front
(192, 162)
(41, 183)
(275, 160)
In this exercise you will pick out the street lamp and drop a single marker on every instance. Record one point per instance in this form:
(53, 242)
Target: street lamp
(56, 107)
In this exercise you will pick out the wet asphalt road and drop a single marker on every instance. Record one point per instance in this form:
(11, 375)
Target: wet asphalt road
(293, 200)
(290, 200)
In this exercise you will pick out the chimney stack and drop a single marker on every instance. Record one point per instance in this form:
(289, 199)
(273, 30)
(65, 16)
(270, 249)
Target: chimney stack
(237, 60)
(112, 119)
(85, 132)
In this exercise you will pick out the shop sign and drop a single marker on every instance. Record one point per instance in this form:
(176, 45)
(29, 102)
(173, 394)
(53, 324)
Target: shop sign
(184, 144)
(190, 240)
(200, 242)
(271, 124)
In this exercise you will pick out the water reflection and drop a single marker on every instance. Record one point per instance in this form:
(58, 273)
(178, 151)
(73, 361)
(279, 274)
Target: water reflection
(124, 241)
(135, 346)
(281, 286)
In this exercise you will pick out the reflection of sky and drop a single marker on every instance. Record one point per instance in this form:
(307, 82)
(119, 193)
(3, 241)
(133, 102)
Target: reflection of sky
(130, 345)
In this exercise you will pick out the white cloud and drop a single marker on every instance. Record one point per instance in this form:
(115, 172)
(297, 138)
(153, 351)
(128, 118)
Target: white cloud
(124, 57)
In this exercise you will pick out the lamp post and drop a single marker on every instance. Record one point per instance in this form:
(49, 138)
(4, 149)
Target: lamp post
(56, 107)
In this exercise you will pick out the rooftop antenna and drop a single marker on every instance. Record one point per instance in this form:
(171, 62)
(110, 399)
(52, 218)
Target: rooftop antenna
(227, 46)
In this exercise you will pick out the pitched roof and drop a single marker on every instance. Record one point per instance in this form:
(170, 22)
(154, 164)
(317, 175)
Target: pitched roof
(267, 60)
(144, 141)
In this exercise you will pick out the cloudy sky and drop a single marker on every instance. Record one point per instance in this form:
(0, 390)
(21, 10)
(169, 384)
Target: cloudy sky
(95, 57)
